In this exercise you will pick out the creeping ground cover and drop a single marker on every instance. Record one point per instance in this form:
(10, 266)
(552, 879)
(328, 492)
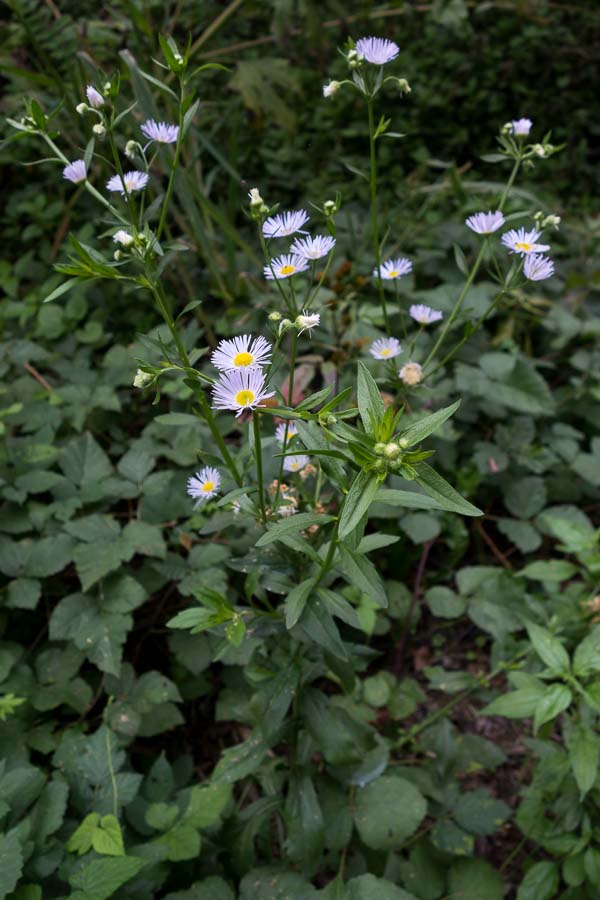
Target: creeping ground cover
(299, 455)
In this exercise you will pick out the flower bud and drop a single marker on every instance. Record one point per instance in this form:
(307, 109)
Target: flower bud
(330, 207)
(539, 150)
(403, 443)
(275, 317)
(117, 255)
(551, 222)
(332, 88)
(403, 86)
(107, 88)
(130, 149)
(99, 129)
(411, 373)
(379, 449)
(142, 379)
(392, 450)
(255, 198)
(81, 108)
(94, 97)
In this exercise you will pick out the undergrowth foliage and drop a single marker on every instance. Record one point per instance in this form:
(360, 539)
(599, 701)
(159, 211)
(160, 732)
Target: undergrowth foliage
(208, 686)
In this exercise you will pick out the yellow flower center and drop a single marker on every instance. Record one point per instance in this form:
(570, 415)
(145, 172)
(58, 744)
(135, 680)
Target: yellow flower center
(243, 359)
(385, 351)
(393, 273)
(129, 184)
(208, 486)
(294, 466)
(523, 246)
(287, 270)
(244, 398)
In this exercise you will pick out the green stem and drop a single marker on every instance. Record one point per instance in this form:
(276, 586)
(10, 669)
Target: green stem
(259, 465)
(466, 337)
(316, 290)
(212, 424)
(267, 256)
(109, 760)
(374, 219)
(127, 195)
(161, 301)
(286, 436)
(510, 183)
(167, 200)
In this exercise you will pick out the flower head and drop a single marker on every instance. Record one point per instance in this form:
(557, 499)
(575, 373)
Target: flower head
(284, 428)
(99, 129)
(295, 463)
(394, 268)
(520, 127)
(255, 198)
(485, 223)
(330, 89)
(425, 315)
(378, 51)
(538, 267)
(385, 348)
(411, 373)
(123, 237)
(161, 132)
(523, 242)
(285, 266)
(204, 484)
(313, 247)
(75, 171)
(142, 379)
(307, 321)
(242, 352)
(94, 97)
(240, 390)
(284, 224)
(134, 181)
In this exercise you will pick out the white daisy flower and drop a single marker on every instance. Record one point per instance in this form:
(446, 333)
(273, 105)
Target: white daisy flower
(520, 127)
(240, 390)
(485, 223)
(394, 268)
(425, 315)
(134, 181)
(284, 224)
(313, 247)
(330, 89)
(75, 171)
(123, 237)
(204, 485)
(307, 321)
(385, 348)
(411, 373)
(378, 51)
(94, 97)
(241, 352)
(285, 427)
(295, 463)
(161, 132)
(285, 266)
(523, 242)
(538, 267)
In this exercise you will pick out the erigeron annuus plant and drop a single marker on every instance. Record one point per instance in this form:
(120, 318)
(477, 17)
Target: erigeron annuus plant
(301, 476)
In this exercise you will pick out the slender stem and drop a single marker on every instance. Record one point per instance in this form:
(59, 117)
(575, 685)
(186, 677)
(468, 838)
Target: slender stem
(466, 337)
(316, 290)
(267, 256)
(212, 424)
(510, 182)
(259, 465)
(109, 760)
(127, 195)
(374, 219)
(286, 433)
(161, 301)
(167, 200)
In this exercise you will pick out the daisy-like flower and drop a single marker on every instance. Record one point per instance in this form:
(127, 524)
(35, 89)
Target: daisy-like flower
(240, 390)
(523, 242)
(307, 321)
(134, 181)
(295, 463)
(94, 97)
(485, 223)
(282, 428)
(75, 171)
(313, 247)
(538, 267)
(123, 237)
(204, 484)
(394, 268)
(241, 352)
(284, 224)
(378, 51)
(411, 373)
(330, 89)
(520, 127)
(161, 132)
(424, 315)
(385, 348)
(284, 266)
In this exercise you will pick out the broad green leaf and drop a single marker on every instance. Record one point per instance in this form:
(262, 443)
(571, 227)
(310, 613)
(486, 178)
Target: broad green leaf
(361, 573)
(292, 524)
(241, 760)
(540, 882)
(479, 812)
(438, 488)
(182, 842)
(444, 603)
(102, 877)
(525, 497)
(584, 754)
(388, 811)
(370, 402)
(95, 560)
(553, 701)
(407, 499)
(206, 804)
(586, 660)
(197, 618)
(368, 887)
(296, 600)
(475, 879)
(358, 499)
(447, 836)
(274, 883)
(304, 820)
(49, 812)
(11, 862)
(418, 431)
(107, 839)
(520, 704)
(549, 570)
(548, 648)
(162, 816)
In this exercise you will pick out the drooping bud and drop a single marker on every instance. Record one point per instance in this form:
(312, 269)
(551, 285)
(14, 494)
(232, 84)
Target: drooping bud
(411, 373)
(142, 379)
(332, 88)
(99, 129)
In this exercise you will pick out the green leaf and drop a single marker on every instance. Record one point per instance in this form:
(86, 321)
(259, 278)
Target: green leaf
(292, 524)
(407, 499)
(586, 660)
(526, 497)
(553, 701)
(540, 882)
(478, 812)
(548, 648)
(475, 879)
(296, 601)
(359, 498)
(418, 431)
(584, 754)
(388, 811)
(241, 760)
(447, 836)
(370, 402)
(11, 862)
(107, 838)
(549, 570)
(523, 389)
(304, 820)
(206, 804)
(445, 603)
(368, 887)
(438, 488)
(361, 573)
(81, 839)
(520, 704)
(49, 811)
(182, 842)
(102, 877)
(61, 289)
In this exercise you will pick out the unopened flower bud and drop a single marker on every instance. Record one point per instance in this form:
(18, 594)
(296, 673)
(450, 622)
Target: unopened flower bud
(107, 87)
(332, 88)
(403, 86)
(81, 108)
(255, 198)
(330, 420)
(142, 379)
(380, 465)
(94, 97)
(99, 129)
(391, 451)
(551, 222)
(411, 373)
(284, 325)
(379, 449)
(130, 148)
(403, 443)
(117, 255)
(539, 150)
(275, 317)
(178, 57)
(329, 207)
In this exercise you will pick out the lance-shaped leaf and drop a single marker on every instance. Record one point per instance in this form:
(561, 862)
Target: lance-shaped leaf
(292, 525)
(370, 401)
(418, 431)
(357, 502)
(438, 488)
(361, 573)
